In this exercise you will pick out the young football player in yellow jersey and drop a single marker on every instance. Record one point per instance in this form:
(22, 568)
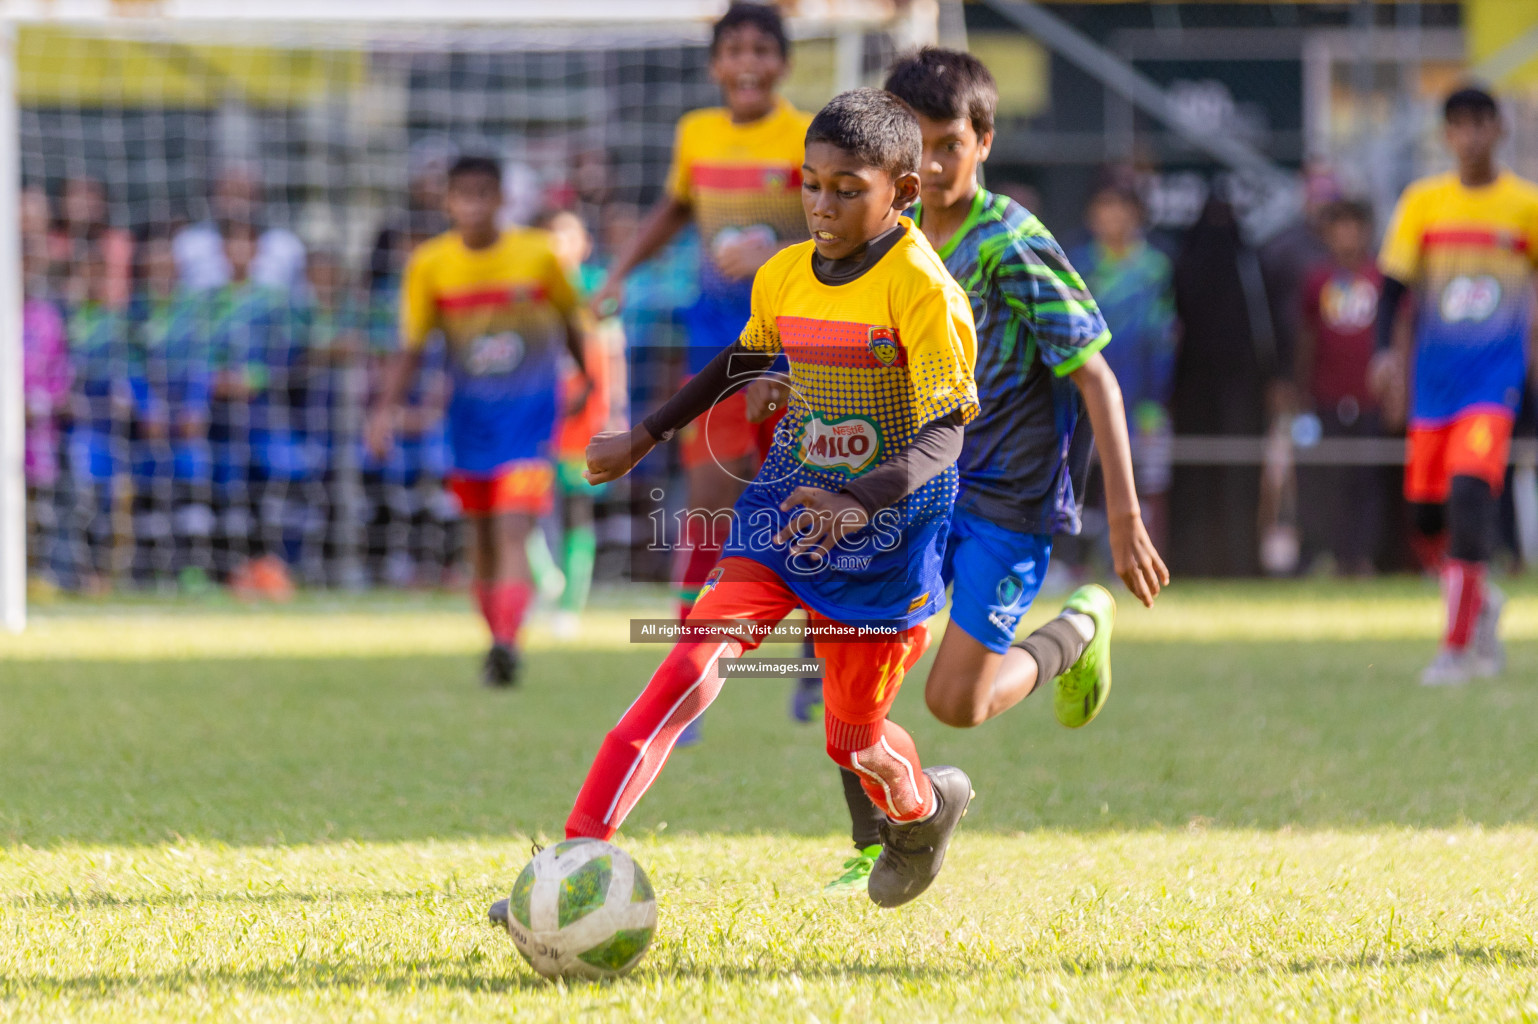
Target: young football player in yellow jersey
(736, 174)
(505, 308)
(1467, 242)
(848, 515)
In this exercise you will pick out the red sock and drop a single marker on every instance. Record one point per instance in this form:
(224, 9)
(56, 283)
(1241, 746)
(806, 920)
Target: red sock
(503, 606)
(635, 750)
(882, 754)
(485, 600)
(1463, 588)
(511, 601)
(1429, 549)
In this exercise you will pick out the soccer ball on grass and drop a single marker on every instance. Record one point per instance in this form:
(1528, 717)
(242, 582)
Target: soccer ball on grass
(582, 909)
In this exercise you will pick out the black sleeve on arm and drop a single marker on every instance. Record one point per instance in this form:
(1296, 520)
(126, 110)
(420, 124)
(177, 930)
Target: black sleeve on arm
(1389, 297)
(729, 372)
(935, 446)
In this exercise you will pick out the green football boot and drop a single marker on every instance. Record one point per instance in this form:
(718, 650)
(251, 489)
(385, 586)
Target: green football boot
(856, 873)
(1080, 692)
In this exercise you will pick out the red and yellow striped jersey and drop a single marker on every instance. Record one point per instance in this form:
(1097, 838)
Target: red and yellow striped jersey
(503, 312)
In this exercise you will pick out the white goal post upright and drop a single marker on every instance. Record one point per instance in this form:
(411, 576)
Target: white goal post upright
(344, 24)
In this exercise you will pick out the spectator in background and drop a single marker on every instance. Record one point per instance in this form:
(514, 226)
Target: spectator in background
(258, 452)
(45, 383)
(101, 412)
(1342, 506)
(237, 203)
(173, 521)
(1225, 359)
(426, 180)
(84, 232)
(1131, 281)
(1288, 256)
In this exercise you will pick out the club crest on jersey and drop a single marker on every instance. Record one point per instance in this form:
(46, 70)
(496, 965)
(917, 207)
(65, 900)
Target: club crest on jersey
(851, 444)
(883, 345)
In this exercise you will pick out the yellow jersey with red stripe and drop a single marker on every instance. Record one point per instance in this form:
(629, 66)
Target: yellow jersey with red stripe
(740, 180)
(871, 361)
(502, 311)
(1471, 253)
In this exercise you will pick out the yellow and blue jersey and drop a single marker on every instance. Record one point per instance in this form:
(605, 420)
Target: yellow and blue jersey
(1036, 323)
(503, 312)
(871, 361)
(1470, 253)
(736, 178)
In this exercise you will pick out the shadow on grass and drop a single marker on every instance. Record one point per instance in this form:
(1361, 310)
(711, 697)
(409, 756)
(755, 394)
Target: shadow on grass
(191, 899)
(479, 973)
(269, 751)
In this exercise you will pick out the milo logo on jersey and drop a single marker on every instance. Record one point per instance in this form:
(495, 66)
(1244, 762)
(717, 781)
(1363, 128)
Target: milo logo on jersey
(1470, 299)
(849, 444)
(494, 354)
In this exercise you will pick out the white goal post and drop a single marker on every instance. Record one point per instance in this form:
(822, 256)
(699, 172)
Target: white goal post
(317, 25)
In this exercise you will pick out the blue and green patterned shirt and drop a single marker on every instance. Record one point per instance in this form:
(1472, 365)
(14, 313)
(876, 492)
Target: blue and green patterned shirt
(1036, 323)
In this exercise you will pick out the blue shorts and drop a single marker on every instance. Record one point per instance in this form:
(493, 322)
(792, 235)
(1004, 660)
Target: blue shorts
(994, 575)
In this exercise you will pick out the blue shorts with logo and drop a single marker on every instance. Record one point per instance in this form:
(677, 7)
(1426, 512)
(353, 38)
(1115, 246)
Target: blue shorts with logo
(994, 575)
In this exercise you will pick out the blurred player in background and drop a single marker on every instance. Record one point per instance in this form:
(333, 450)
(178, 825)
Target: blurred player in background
(603, 348)
(505, 308)
(1021, 476)
(1466, 242)
(1342, 507)
(736, 173)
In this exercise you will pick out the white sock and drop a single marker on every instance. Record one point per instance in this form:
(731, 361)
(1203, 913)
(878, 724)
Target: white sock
(1083, 624)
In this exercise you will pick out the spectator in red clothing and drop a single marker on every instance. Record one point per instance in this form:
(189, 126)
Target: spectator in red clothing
(1342, 506)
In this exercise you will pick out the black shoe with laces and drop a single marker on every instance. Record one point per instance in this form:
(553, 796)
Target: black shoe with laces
(912, 853)
(500, 669)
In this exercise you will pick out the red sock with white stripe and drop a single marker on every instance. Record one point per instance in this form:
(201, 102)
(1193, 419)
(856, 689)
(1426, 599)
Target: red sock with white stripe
(635, 750)
(882, 754)
(1463, 590)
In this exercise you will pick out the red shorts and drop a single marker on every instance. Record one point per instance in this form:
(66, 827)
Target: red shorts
(725, 434)
(861, 680)
(525, 486)
(1474, 444)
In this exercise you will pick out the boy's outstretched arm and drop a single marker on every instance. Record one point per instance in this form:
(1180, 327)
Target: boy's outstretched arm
(399, 374)
(613, 453)
(1132, 552)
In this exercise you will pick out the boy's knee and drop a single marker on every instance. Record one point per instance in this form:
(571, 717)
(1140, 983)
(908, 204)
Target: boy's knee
(957, 710)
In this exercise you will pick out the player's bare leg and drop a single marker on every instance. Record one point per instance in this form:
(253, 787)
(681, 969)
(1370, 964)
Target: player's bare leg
(970, 684)
(503, 587)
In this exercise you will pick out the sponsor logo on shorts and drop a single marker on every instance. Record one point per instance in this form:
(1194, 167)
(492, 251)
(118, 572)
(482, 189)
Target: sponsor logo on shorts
(850, 443)
(1009, 590)
(918, 602)
(711, 581)
(1003, 620)
(883, 345)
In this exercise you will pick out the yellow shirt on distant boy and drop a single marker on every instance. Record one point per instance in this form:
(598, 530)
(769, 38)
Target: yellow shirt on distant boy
(739, 177)
(871, 360)
(503, 312)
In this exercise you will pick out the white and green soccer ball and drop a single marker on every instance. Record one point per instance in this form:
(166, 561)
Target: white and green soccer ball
(582, 909)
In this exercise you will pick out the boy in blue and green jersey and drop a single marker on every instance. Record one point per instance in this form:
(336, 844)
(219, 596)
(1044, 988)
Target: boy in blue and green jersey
(1039, 371)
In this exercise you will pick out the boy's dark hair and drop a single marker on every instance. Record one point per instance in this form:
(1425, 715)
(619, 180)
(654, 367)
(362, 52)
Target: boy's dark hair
(1470, 99)
(944, 85)
(874, 126)
(466, 166)
(763, 17)
(1347, 209)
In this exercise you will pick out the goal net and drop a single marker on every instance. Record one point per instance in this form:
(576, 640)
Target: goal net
(214, 215)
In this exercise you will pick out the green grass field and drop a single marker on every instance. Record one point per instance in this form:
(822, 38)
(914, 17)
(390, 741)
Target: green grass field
(213, 812)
